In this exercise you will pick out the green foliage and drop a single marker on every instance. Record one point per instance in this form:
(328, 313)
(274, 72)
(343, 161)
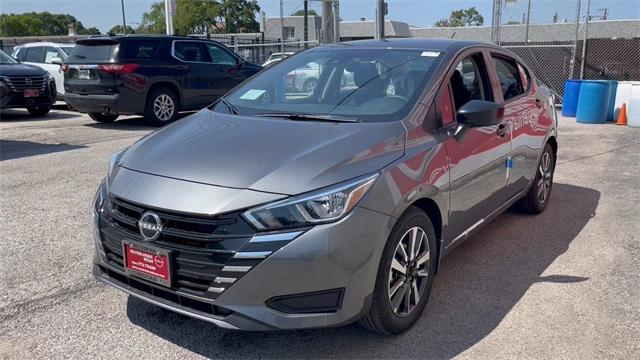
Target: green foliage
(118, 29)
(90, 31)
(300, 12)
(201, 16)
(468, 17)
(39, 24)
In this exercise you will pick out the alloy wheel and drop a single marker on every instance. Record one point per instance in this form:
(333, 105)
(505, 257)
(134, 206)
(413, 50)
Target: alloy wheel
(409, 271)
(163, 107)
(545, 172)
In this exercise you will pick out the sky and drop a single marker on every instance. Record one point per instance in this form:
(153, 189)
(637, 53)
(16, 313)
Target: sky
(103, 14)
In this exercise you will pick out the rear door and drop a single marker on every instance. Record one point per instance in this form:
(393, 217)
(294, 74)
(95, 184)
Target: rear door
(477, 156)
(83, 75)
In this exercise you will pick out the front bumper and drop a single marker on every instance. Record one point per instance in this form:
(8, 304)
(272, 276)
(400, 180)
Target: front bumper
(343, 255)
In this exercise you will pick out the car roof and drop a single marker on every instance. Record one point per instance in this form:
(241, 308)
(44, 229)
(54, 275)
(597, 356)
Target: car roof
(416, 43)
(46, 43)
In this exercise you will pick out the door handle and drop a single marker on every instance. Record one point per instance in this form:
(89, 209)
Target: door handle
(503, 129)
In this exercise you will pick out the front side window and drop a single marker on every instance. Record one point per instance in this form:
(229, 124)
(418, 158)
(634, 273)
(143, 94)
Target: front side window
(509, 76)
(466, 82)
(368, 84)
(190, 51)
(22, 53)
(34, 54)
(220, 56)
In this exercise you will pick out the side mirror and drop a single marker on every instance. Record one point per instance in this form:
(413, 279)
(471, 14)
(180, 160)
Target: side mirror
(480, 113)
(240, 61)
(56, 60)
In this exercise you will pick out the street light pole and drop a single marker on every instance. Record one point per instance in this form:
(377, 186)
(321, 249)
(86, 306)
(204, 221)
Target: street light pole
(168, 16)
(124, 22)
(380, 19)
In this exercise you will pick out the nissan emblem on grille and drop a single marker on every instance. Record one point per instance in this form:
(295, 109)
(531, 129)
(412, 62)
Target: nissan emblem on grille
(150, 226)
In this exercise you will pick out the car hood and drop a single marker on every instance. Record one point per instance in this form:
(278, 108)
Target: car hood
(21, 70)
(265, 154)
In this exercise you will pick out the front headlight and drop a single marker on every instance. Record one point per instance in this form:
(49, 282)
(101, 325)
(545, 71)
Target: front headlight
(321, 206)
(114, 161)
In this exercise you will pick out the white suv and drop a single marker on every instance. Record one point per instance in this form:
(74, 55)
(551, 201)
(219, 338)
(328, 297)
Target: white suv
(48, 56)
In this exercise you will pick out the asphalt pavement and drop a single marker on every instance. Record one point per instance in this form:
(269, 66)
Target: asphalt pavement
(564, 284)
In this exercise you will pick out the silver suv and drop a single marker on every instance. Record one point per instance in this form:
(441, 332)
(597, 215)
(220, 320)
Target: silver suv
(280, 209)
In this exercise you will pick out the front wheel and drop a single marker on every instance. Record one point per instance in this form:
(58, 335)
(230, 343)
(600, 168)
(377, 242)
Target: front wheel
(539, 194)
(405, 275)
(39, 110)
(162, 107)
(102, 117)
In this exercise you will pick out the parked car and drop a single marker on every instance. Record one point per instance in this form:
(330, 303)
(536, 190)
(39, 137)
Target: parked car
(154, 76)
(275, 57)
(25, 86)
(304, 78)
(48, 56)
(272, 210)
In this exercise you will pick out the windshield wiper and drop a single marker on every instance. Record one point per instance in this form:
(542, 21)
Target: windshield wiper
(232, 109)
(312, 117)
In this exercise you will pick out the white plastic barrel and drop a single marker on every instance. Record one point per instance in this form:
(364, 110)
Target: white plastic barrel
(633, 112)
(623, 95)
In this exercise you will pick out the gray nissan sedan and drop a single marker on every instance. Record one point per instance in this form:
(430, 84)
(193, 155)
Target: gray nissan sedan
(286, 208)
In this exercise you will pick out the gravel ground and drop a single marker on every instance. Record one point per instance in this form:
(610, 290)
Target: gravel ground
(565, 284)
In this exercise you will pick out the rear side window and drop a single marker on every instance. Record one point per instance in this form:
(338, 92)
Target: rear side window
(140, 49)
(509, 76)
(94, 51)
(190, 51)
(34, 54)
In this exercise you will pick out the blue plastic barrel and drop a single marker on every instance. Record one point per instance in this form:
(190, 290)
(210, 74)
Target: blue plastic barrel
(570, 98)
(612, 100)
(593, 101)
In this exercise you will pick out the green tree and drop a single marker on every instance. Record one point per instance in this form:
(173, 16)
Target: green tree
(240, 15)
(38, 24)
(192, 17)
(91, 31)
(201, 16)
(118, 29)
(462, 17)
(300, 12)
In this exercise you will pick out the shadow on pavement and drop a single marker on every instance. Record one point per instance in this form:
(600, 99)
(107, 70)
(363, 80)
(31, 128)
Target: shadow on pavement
(16, 115)
(14, 149)
(476, 287)
(130, 123)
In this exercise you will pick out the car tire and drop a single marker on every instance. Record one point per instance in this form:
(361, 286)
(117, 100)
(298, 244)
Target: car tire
(537, 198)
(103, 118)
(39, 110)
(310, 85)
(390, 313)
(162, 107)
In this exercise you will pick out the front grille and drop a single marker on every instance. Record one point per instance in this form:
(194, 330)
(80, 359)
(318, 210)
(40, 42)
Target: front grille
(201, 246)
(21, 83)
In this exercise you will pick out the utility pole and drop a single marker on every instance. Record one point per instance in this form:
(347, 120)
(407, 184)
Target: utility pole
(328, 35)
(306, 23)
(168, 16)
(336, 21)
(281, 29)
(526, 36)
(124, 22)
(584, 39)
(380, 13)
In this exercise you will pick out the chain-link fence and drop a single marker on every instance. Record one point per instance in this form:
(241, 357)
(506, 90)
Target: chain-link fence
(550, 36)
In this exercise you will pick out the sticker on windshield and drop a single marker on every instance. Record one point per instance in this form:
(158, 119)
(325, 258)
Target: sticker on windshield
(252, 94)
(430, 53)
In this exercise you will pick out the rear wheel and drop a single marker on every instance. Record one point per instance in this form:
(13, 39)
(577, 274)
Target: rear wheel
(405, 275)
(162, 107)
(538, 196)
(102, 117)
(39, 110)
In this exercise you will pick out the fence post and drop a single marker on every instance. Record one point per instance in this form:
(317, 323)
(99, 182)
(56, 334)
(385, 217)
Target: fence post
(584, 40)
(575, 41)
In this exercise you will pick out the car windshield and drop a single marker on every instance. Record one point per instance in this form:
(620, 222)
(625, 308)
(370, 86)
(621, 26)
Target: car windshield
(6, 59)
(358, 83)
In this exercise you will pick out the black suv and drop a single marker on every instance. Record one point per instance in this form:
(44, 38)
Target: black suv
(155, 76)
(25, 86)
